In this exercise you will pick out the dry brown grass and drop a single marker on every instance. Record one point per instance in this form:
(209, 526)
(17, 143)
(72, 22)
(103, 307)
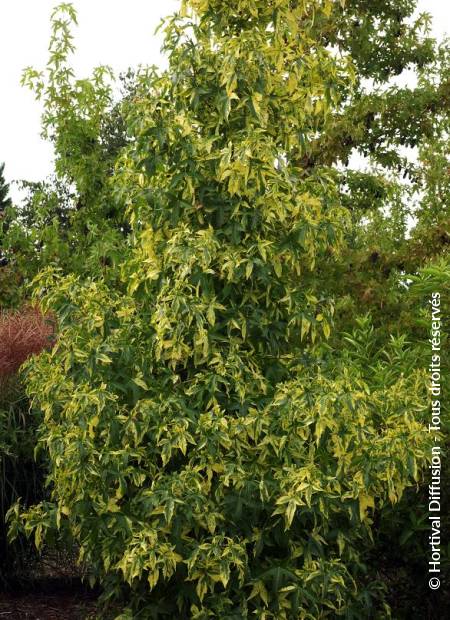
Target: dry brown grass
(23, 333)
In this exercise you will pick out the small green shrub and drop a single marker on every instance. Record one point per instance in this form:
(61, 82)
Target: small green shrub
(20, 476)
(23, 333)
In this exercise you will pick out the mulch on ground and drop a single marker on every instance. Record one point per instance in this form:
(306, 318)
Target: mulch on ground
(62, 604)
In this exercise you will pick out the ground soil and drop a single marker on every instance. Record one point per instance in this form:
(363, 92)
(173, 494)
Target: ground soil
(49, 601)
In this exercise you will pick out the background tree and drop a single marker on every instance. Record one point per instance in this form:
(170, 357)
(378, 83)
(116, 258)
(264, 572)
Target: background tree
(5, 201)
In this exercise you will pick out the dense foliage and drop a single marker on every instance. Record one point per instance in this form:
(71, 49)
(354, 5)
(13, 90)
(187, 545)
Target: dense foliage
(238, 391)
(23, 333)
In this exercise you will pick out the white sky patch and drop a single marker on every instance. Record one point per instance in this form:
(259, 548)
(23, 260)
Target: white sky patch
(110, 32)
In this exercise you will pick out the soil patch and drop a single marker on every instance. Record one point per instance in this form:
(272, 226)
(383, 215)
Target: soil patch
(49, 601)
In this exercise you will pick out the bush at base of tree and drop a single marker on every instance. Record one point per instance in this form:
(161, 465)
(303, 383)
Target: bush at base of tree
(23, 333)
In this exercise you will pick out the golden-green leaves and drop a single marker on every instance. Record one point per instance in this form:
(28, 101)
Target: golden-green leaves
(214, 440)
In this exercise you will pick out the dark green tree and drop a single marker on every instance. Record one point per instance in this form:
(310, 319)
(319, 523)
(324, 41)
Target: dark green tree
(5, 201)
(7, 281)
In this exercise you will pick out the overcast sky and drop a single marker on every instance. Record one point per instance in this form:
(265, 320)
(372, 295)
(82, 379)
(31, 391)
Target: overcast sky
(119, 34)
